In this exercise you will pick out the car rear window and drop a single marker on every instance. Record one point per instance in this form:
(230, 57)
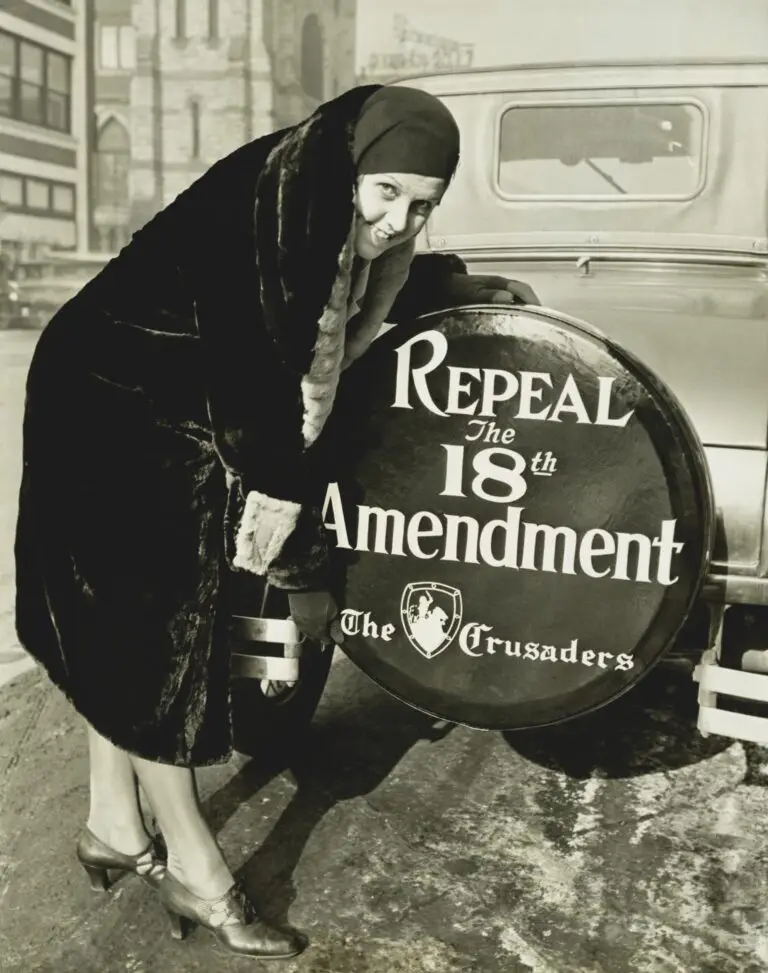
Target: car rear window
(599, 151)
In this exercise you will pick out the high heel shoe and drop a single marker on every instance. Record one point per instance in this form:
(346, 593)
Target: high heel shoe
(99, 859)
(231, 918)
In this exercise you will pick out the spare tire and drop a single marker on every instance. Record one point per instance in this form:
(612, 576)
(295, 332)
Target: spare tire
(525, 519)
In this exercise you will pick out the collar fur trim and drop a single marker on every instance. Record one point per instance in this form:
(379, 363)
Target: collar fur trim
(304, 236)
(304, 214)
(341, 340)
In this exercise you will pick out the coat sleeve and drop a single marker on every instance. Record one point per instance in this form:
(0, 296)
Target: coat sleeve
(254, 403)
(427, 287)
(256, 412)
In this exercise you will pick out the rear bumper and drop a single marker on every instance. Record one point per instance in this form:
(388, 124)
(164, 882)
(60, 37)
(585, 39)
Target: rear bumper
(734, 589)
(732, 673)
(731, 703)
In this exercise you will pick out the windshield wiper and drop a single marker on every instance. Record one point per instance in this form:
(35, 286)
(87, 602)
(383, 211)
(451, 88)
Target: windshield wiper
(608, 178)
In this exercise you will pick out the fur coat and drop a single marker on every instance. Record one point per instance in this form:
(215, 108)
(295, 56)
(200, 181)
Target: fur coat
(172, 431)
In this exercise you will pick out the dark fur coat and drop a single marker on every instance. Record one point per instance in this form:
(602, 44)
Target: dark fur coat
(165, 439)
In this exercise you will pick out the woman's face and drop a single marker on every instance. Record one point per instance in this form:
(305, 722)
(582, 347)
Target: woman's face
(391, 208)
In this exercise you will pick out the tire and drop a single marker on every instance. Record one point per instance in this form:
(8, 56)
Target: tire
(272, 726)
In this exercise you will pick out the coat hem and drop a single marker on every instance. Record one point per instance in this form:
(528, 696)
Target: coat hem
(190, 764)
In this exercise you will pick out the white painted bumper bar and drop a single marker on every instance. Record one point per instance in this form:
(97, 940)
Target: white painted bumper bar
(715, 680)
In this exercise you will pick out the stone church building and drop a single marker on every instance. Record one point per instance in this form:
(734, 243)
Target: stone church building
(180, 83)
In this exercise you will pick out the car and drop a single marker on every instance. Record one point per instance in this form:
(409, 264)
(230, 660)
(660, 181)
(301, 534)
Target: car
(632, 194)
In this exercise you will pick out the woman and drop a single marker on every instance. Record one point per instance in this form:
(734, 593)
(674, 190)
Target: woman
(172, 410)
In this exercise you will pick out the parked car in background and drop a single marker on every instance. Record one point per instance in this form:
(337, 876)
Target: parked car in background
(42, 284)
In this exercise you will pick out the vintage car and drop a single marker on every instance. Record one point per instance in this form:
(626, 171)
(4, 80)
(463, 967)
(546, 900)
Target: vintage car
(633, 196)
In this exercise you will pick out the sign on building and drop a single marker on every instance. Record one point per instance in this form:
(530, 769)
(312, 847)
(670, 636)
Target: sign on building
(417, 52)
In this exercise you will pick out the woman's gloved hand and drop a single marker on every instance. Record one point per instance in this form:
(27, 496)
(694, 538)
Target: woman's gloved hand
(316, 614)
(464, 289)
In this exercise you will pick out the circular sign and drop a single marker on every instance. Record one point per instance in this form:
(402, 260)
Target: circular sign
(526, 521)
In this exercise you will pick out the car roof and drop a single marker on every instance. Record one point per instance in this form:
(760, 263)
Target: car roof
(519, 67)
(596, 73)
(719, 70)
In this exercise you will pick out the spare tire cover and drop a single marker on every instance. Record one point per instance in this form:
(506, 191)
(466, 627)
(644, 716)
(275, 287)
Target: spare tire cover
(525, 520)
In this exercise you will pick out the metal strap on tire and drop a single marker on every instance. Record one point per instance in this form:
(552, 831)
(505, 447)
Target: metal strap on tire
(280, 631)
(276, 631)
(275, 668)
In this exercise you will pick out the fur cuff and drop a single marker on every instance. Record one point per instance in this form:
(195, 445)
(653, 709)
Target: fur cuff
(265, 526)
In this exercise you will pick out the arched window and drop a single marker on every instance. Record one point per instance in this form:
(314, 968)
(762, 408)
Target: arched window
(113, 161)
(312, 57)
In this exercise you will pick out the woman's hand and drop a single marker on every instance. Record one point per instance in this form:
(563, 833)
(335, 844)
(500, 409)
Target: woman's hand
(316, 614)
(467, 289)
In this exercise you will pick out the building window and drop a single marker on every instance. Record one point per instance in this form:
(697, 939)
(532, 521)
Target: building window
(27, 194)
(11, 191)
(213, 20)
(8, 74)
(31, 83)
(194, 112)
(63, 199)
(57, 100)
(113, 159)
(35, 83)
(117, 47)
(181, 20)
(38, 194)
(312, 57)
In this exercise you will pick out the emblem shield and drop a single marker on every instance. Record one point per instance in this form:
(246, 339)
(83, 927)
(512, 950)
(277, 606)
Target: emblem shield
(430, 614)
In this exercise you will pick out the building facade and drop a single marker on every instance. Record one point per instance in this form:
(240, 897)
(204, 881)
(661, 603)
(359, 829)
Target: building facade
(113, 39)
(43, 126)
(213, 74)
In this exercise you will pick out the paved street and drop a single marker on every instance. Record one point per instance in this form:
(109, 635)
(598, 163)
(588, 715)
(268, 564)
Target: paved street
(15, 351)
(624, 843)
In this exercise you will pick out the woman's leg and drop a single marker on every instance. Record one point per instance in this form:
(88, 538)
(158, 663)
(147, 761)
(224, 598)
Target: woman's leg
(194, 857)
(115, 814)
(115, 817)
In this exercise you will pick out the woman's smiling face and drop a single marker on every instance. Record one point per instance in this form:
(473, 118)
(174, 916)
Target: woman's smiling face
(391, 208)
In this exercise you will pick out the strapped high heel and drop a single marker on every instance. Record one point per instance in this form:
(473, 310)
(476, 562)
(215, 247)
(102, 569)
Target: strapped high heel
(231, 918)
(98, 860)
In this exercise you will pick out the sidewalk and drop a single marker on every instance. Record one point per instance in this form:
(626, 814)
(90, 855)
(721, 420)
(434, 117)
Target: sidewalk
(13, 659)
(15, 354)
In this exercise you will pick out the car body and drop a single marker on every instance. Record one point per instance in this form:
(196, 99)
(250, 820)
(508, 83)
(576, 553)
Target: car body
(677, 273)
(633, 195)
